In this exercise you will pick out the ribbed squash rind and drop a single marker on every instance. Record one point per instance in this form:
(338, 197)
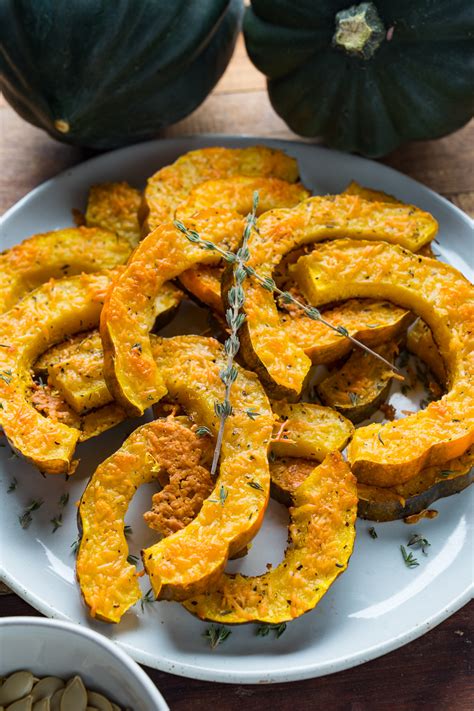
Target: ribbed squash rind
(386, 455)
(44, 317)
(321, 538)
(62, 253)
(278, 360)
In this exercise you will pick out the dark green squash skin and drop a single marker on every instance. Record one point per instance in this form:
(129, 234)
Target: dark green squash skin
(115, 72)
(419, 83)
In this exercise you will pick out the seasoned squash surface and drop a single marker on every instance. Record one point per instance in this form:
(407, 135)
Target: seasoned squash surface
(44, 317)
(321, 538)
(54, 255)
(276, 357)
(171, 185)
(114, 206)
(389, 454)
(420, 342)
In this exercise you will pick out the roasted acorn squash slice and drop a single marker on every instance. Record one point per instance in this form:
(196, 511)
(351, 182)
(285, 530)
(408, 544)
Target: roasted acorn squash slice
(420, 343)
(171, 185)
(44, 317)
(277, 358)
(114, 206)
(57, 254)
(189, 560)
(390, 454)
(361, 384)
(321, 538)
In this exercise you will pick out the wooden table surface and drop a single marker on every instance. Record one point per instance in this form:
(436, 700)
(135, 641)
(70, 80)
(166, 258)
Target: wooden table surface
(435, 671)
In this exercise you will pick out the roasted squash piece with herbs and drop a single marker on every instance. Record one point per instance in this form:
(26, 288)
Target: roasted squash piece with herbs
(361, 384)
(420, 342)
(171, 185)
(234, 195)
(278, 359)
(62, 253)
(321, 538)
(114, 206)
(48, 315)
(390, 454)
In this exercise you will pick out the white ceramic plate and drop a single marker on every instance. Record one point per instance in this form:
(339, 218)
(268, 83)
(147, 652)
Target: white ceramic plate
(376, 606)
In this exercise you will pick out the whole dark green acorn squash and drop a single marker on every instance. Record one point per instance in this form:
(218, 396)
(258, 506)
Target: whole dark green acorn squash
(104, 73)
(369, 76)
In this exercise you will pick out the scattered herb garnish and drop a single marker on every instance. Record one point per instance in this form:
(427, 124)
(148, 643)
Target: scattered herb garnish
(265, 629)
(353, 398)
(132, 559)
(26, 518)
(408, 558)
(128, 531)
(5, 375)
(12, 486)
(255, 485)
(380, 439)
(63, 501)
(417, 541)
(75, 545)
(447, 472)
(373, 532)
(203, 431)
(252, 414)
(223, 493)
(147, 598)
(216, 634)
(137, 347)
(57, 522)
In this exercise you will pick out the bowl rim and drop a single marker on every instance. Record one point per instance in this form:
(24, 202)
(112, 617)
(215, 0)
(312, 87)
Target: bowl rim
(153, 695)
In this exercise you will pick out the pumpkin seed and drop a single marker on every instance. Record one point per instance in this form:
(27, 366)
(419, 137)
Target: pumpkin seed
(24, 704)
(46, 687)
(42, 705)
(15, 687)
(99, 701)
(75, 696)
(55, 702)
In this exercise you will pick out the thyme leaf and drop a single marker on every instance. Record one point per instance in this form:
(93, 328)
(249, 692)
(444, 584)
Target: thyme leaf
(373, 532)
(216, 634)
(417, 541)
(26, 518)
(203, 431)
(12, 486)
(408, 558)
(223, 494)
(255, 485)
(265, 629)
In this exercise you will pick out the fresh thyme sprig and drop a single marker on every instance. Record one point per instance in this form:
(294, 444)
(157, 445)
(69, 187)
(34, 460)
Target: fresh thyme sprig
(216, 634)
(234, 319)
(408, 558)
(26, 518)
(265, 629)
(269, 284)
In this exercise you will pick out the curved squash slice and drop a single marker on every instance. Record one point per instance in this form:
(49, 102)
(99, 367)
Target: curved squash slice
(361, 384)
(42, 318)
(355, 188)
(387, 504)
(189, 560)
(390, 454)
(278, 359)
(420, 342)
(233, 195)
(55, 255)
(171, 185)
(307, 430)
(129, 311)
(286, 474)
(114, 206)
(321, 538)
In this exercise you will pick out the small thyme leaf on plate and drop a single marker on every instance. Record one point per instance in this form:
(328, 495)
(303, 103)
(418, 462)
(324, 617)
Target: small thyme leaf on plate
(265, 629)
(203, 431)
(12, 486)
(63, 501)
(255, 485)
(128, 531)
(408, 558)
(75, 545)
(216, 634)
(132, 559)
(252, 413)
(417, 541)
(147, 598)
(26, 518)
(373, 532)
(223, 494)
(57, 522)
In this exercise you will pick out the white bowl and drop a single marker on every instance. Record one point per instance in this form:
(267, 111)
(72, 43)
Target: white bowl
(52, 647)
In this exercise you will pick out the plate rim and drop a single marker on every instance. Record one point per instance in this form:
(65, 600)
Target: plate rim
(200, 671)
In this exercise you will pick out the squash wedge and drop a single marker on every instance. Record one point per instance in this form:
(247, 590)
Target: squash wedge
(390, 454)
(129, 312)
(171, 185)
(415, 495)
(44, 317)
(114, 206)
(234, 195)
(307, 430)
(57, 254)
(355, 188)
(321, 538)
(188, 561)
(361, 384)
(286, 474)
(277, 359)
(420, 342)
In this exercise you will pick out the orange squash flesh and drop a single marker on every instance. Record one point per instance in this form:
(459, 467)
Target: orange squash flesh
(276, 357)
(114, 206)
(129, 311)
(54, 255)
(420, 342)
(234, 195)
(171, 185)
(389, 454)
(44, 317)
(321, 538)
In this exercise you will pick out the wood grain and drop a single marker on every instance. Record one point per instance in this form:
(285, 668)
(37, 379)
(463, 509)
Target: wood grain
(435, 671)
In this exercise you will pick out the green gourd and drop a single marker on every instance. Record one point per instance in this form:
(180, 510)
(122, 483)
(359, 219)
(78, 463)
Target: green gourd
(102, 74)
(366, 77)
